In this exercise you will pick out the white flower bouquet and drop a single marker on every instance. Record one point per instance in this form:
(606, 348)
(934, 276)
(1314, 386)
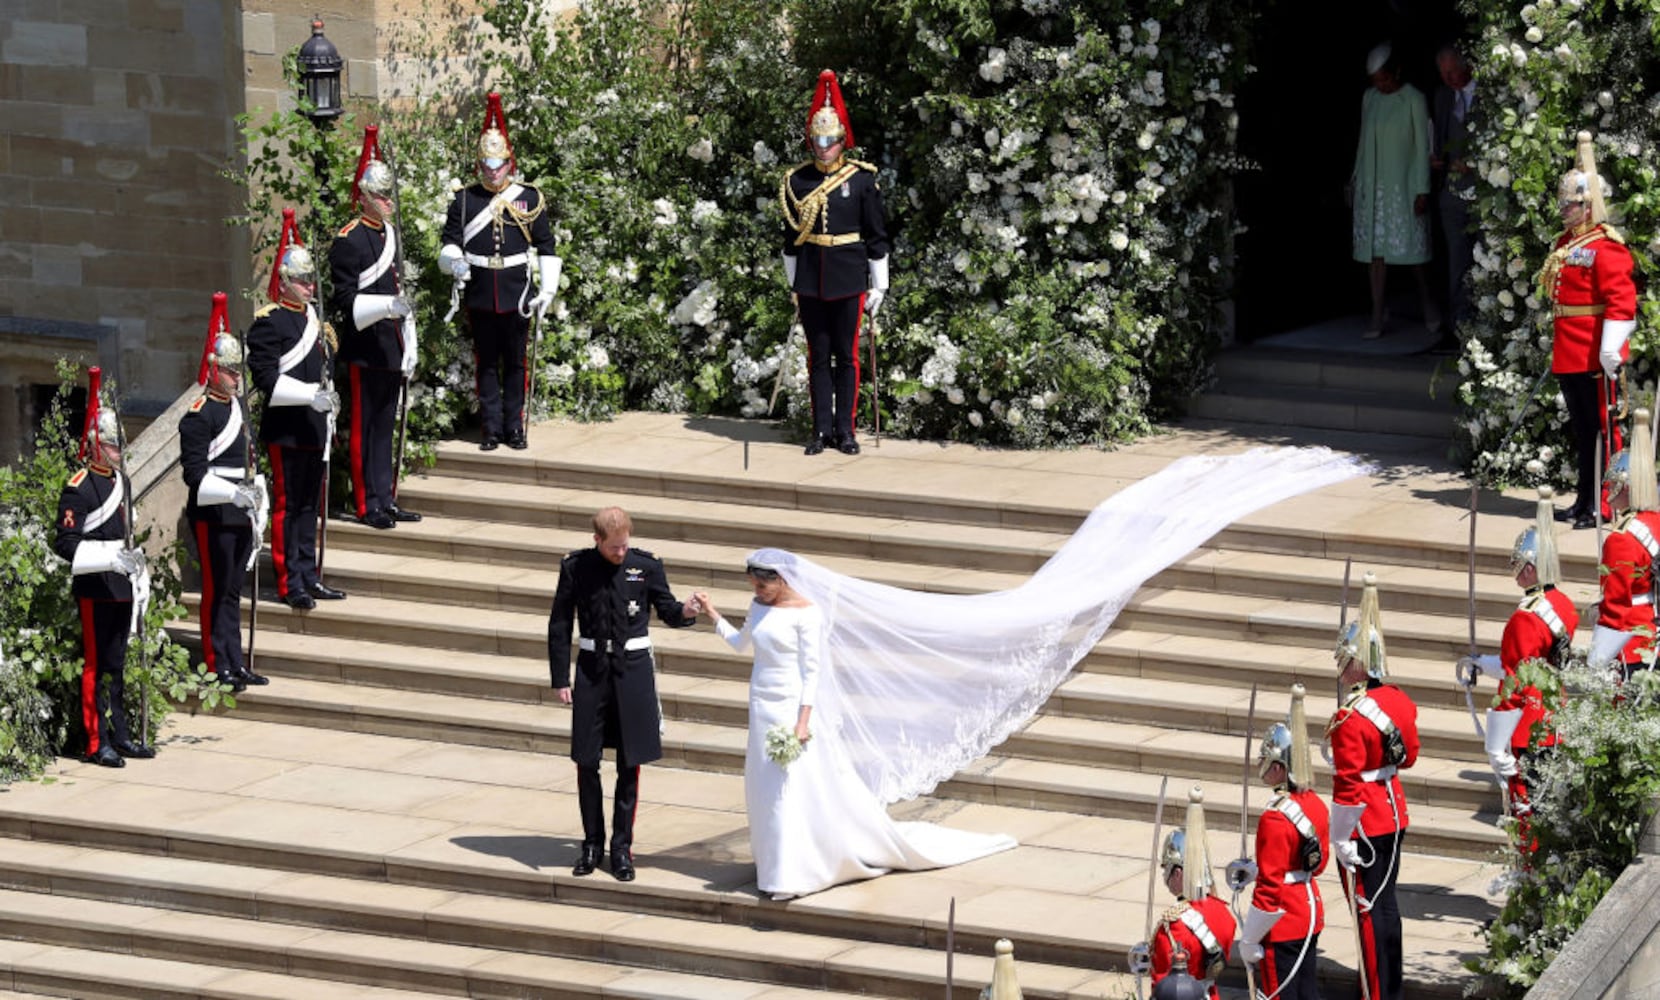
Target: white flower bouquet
(782, 746)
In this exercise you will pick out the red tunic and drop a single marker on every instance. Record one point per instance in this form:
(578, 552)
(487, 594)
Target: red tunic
(1279, 854)
(1357, 748)
(1215, 915)
(1595, 269)
(1532, 634)
(1628, 581)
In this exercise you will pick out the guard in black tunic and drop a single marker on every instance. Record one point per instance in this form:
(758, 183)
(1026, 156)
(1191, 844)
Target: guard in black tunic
(111, 585)
(610, 590)
(379, 347)
(287, 362)
(227, 504)
(836, 260)
(488, 235)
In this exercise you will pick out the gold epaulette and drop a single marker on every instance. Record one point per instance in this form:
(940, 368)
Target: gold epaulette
(862, 165)
(1174, 914)
(1611, 233)
(78, 478)
(265, 310)
(196, 407)
(798, 166)
(1623, 522)
(348, 227)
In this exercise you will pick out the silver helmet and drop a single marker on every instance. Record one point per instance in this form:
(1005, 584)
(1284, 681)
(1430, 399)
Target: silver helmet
(376, 179)
(297, 265)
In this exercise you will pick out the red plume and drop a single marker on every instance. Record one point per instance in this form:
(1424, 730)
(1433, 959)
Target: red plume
(290, 237)
(494, 115)
(371, 151)
(94, 382)
(218, 322)
(828, 86)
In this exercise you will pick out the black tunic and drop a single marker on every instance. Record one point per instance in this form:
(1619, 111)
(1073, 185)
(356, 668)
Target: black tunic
(499, 290)
(198, 429)
(86, 493)
(276, 329)
(615, 690)
(358, 249)
(852, 207)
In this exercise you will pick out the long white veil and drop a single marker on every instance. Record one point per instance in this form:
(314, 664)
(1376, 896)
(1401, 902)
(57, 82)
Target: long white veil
(917, 685)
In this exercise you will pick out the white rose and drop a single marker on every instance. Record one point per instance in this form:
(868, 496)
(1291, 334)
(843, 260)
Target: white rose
(984, 395)
(1505, 298)
(1534, 35)
(975, 418)
(702, 150)
(955, 395)
(1119, 240)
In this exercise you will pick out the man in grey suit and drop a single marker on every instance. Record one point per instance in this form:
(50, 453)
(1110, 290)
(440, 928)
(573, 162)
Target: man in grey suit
(1449, 154)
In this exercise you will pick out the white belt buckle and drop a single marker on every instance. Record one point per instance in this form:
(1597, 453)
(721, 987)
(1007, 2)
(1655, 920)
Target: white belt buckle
(495, 262)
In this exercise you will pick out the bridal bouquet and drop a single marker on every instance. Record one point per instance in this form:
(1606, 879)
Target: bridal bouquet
(782, 746)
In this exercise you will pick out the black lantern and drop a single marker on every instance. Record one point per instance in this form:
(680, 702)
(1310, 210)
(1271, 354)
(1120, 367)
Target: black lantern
(320, 66)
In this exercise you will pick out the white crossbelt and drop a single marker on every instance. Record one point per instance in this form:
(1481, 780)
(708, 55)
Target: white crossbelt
(1642, 598)
(489, 212)
(498, 263)
(1194, 921)
(227, 471)
(1382, 774)
(638, 642)
(388, 253)
(228, 436)
(1540, 607)
(107, 509)
(302, 348)
(1297, 877)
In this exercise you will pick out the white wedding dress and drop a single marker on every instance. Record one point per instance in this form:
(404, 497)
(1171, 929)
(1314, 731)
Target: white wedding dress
(815, 824)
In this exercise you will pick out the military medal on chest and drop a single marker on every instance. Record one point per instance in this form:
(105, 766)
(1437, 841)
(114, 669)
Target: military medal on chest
(633, 608)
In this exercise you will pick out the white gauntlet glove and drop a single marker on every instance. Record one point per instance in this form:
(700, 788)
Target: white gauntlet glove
(130, 563)
(878, 285)
(411, 350)
(454, 262)
(1615, 332)
(324, 401)
(1250, 953)
(548, 287)
(367, 310)
(246, 496)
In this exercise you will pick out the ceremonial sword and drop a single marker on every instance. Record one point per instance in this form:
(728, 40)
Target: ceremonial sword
(1141, 954)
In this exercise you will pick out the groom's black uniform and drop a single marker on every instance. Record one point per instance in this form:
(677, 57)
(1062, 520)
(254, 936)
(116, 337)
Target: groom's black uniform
(614, 699)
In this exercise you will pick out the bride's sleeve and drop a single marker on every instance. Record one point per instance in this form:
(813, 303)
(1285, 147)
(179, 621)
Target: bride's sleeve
(809, 631)
(738, 639)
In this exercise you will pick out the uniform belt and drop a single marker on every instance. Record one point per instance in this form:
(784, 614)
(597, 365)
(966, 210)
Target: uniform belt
(1296, 878)
(827, 240)
(608, 645)
(496, 262)
(1642, 598)
(1592, 309)
(227, 471)
(1381, 775)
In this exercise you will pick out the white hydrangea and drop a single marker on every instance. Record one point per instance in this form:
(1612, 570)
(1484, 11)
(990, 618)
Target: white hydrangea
(667, 214)
(596, 357)
(997, 62)
(705, 212)
(702, 150)
(699, 305)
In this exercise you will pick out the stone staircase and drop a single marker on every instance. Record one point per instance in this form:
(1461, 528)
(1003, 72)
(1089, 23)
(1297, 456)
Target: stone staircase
(394, 816)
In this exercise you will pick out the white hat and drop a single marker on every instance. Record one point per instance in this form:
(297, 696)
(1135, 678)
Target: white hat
(1376, 58)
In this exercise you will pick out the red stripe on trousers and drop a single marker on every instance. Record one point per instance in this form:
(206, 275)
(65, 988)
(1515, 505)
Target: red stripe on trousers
(524, 408)
(208, 594)
(357, 442)
(858, 328)
(89, 677)
(1368, 941)
(279, 520)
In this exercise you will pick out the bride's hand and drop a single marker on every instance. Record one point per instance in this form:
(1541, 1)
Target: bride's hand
(802, 733)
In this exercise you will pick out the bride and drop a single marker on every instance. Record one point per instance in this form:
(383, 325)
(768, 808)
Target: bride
(813, 823)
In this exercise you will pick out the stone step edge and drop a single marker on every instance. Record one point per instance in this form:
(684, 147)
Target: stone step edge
(732, 942)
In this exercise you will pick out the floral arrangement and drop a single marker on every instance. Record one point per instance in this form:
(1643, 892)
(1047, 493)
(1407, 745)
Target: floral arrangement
(783, 748)
(1546, 70)
(1052, 172)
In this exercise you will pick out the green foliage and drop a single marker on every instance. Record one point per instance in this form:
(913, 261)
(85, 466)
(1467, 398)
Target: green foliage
(1051, 170)
(1546, 71)
(40, 639)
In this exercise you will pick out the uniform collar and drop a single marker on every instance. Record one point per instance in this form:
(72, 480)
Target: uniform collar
(101, 469)
(290, 304)
(830, 168)
(218, 397)
(372, 223)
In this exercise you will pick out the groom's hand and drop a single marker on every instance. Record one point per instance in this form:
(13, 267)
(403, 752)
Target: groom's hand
(564, 696)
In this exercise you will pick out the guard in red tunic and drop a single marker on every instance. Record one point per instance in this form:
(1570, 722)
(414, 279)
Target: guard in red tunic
(1541, 628)
(1281, 932)
(288, 353)
(836, 260)
(1200, 925)
(495, 230)
(1587, 280)
(111, 583)
(1625, 615)
(1373, 734)
(226, 506)
(379, 348)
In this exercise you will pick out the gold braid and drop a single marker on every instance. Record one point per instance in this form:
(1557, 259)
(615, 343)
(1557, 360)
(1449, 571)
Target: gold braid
(1550, 272)
(813, 211)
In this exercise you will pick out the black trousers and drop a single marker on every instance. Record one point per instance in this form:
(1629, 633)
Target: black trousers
(500, 341)
(223, 551)
(296, 489)
(104, 628)
(1380, 926)
(374, 422)
(832, 327)
(1579, 392)
(1280, 970)
(625, 799)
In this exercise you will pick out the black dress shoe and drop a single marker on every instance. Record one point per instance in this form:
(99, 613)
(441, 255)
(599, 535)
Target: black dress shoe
(518, 442)
(489, 444)
(1584, 521)
(324, 592)
(247, 676)
(137, 751)
(815, 446)
(586, 862)
(300, 602)
(105, 757)
(848, 446)
(622, 866)
(399, 514)
(1573, 513)
(378, 519)
(234, 679)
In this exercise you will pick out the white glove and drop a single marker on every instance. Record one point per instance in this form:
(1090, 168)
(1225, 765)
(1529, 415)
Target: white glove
(873, 300)
(1504, 763)
(324, 401)
(411, 350)
(453, 260)
(548, 287)
(290, 391)
(130, 562)
(878, 285)
(399, 307)
(367, 310)
(1615, 332)
(247, 496)
(1347, 853)
(789, 270)
(1250, 953)
(1501, 728)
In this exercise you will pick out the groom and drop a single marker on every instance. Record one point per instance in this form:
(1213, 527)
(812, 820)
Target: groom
(609, 589)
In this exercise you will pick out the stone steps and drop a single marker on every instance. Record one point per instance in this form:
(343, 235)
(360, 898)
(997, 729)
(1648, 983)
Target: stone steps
(430, 849)
(1375, 394)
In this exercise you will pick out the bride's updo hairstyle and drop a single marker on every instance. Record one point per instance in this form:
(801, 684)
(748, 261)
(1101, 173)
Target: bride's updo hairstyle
(764, 565)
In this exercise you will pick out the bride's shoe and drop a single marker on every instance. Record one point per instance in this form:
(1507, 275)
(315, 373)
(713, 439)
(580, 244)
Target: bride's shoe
(779, 897)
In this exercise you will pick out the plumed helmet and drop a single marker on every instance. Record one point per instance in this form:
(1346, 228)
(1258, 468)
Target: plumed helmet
(220, 348)
(1536, 546)
(1583, 184)
(1643, 493)
(109, 425)
(492, 148)
(288, 241)
(827, 122)
(1362, 639)
(227, 351)
(297, 265)
(377, 179)
(1275, 749)
(1184, 847)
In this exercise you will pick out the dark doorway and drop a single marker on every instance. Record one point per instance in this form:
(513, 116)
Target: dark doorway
(1299, 120)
